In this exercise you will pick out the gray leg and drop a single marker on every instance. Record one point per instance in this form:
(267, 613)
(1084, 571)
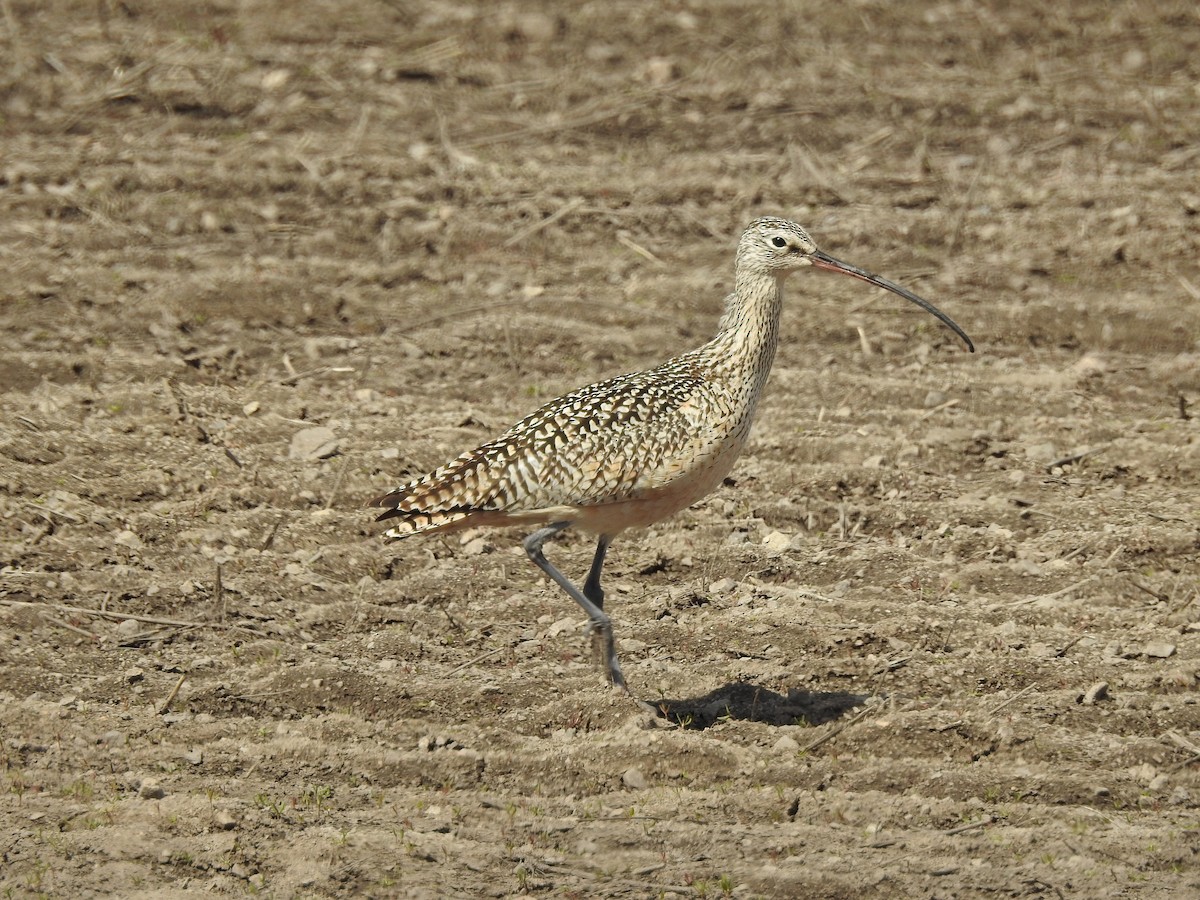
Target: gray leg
(591, 587)
(589, 600)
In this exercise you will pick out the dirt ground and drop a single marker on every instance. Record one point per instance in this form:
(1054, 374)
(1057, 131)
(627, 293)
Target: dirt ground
(937, 637)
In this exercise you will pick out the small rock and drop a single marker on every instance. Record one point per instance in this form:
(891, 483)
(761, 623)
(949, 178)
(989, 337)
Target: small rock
(724, 586)
(275, 79)
(562, 626)
(134, 675)
(634, 779)
(786, 744)
(1096, 693)
(1145, 773)
(873, 462)
(475, 547)
(776, 542)
(150, 789)
(224, 821)
(128, 628)
(658, 71)
(313, 443)
(128, 539)
(1159, 649)
(934, 398)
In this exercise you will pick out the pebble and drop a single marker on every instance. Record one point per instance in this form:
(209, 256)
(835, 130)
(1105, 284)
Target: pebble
(1159, 649)
(475, 547)
(562, 626)
(786, 744)
(127, 538)
(776, 542)
(313, 443)
(224, 821)
(128, 628)
(1096, 693)
(150, 789)
(634, 779)
(1145, 773)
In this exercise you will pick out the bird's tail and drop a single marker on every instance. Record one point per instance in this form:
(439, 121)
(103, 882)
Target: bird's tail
(438, 501)
(413, 509)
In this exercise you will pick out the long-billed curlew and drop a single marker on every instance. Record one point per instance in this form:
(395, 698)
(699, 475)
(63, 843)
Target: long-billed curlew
(635, 449)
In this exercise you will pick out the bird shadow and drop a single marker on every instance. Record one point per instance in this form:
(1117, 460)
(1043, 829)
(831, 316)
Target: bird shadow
(740, 700)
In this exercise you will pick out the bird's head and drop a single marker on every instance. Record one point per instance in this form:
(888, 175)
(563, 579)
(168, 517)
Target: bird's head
(778, 247)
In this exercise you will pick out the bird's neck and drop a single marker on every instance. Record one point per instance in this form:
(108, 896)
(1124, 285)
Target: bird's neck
(748, 332)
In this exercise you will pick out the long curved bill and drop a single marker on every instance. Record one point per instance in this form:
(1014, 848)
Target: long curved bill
(821, 260)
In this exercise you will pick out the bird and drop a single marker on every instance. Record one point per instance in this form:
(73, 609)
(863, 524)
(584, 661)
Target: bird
(632, 450)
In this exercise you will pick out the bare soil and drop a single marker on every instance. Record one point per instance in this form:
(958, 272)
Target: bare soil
(936, 638)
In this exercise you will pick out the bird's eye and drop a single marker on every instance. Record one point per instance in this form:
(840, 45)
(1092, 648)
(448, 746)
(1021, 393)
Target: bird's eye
(779, 242)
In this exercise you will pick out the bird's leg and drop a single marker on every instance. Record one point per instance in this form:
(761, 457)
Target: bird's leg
(591, 587)
(601, 623)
